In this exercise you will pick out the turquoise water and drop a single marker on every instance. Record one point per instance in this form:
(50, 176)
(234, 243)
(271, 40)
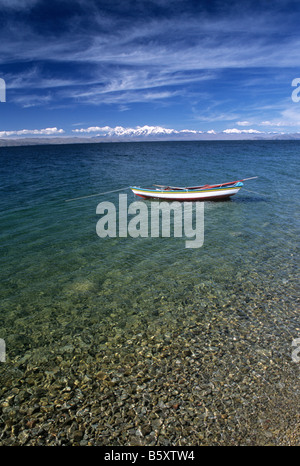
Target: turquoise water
(65, 291)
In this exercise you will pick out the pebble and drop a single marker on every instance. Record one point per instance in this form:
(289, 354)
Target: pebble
(214, 370)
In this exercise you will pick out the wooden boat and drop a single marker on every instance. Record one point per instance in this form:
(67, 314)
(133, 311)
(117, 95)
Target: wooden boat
(205, 192)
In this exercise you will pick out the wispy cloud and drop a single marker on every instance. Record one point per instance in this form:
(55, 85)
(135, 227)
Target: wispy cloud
(210, 59)
(243, 123)
(290, 117)
(18, 4)
(96, 96)
(34, 132)
(35, 78)
(27, 100)
(179, 42)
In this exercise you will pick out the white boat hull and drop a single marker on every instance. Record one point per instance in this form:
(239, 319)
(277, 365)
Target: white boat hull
(187, 195)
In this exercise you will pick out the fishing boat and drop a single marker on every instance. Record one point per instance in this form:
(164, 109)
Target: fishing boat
(207, 192)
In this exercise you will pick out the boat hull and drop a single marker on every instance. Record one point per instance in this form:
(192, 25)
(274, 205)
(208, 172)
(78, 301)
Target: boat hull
(213, 194)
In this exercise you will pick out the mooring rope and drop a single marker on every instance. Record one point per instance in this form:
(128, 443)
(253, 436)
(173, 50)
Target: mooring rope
(255, 192)
(97, 194)
(128, 187)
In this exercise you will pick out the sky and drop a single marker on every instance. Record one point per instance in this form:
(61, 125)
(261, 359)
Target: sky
(112, 68)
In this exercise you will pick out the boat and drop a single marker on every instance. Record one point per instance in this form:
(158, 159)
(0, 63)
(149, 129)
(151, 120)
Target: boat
(207, 192)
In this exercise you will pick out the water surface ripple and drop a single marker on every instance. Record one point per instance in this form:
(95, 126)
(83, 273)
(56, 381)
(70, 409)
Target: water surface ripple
(141, 341)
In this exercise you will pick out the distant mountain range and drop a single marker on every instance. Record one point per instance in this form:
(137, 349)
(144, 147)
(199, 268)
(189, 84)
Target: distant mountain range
(97, 134)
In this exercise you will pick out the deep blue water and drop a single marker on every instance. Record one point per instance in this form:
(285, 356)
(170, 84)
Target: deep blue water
(94, 321)
(51, 254)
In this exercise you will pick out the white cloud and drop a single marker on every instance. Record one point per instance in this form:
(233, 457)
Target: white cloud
(243, 123)
(193, 131)
(33, 78)
(29, 100)
(290, 117)
(105, 95)
(192, 47)
(35, 132)
(272, 123)
(188, 49)
(145, 130)
(121, 62)
(240, 131)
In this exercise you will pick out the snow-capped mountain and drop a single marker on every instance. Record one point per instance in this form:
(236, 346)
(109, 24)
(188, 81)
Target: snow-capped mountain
(146, 130)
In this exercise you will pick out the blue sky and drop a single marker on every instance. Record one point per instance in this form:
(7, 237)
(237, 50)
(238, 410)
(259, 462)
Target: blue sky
(87, 67)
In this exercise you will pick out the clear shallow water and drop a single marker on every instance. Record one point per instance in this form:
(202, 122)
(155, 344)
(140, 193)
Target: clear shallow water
(66, 292)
